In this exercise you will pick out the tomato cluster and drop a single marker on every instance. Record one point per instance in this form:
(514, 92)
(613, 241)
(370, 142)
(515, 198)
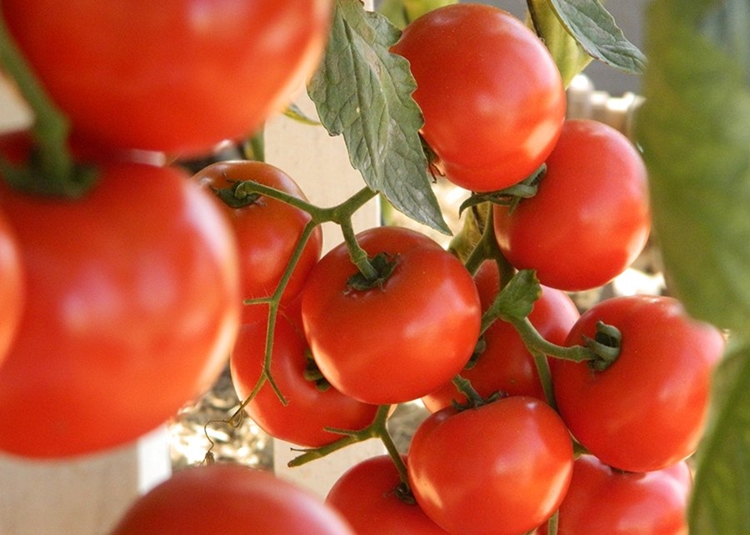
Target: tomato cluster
(138, 286)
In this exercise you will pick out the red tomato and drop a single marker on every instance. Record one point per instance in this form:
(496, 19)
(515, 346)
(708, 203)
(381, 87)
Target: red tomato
(604, 500)
(366, 496)
(492, 97)
(267, 232)
(399, 341)
(12, 293)
(229, 498)
(173, 75)
(132, 307)
(590, 217)
(500, 469)
(309, 410)
(505, 365)
(647, 410)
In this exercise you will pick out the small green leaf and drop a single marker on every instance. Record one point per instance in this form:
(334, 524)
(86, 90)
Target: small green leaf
(516, 299)
(569, 56)
(596, 31)
(720, 503)
(695, 132)
(364, 92)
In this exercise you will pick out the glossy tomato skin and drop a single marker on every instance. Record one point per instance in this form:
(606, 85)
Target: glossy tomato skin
(177, 76)
(647, 410)
(132, 308)
(501, 469)
(401, 340)
(366, 496)
(229, 498)
(267, 232)
(590, 218)
(12, 293)
(308, 411)
(604, 500)
(492, 97)
(505, 365)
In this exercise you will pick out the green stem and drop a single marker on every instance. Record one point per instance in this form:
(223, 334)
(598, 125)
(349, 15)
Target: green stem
(545, 376)
(56, 166)
(536, 343)
(377, 429)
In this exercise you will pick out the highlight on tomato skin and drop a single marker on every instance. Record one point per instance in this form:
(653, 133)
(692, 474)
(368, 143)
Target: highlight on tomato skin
(12, 287)
(492, 97)
(172, 76)
(229, 498)
(132, 306)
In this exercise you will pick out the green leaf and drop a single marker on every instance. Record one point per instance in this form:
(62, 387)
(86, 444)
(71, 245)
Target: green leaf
(364, 92)
(596, 31)
(569, 56)
(695, 132)
(720, 503)
(516, 299)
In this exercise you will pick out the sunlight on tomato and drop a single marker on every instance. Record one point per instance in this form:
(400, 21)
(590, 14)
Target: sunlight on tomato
(132, 308)
(492, 97)
(173, 75)
(11, 287)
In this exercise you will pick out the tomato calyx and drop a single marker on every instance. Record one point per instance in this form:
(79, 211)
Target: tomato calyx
(605, 345)
(383, 265)
(235, 196)
(474, 399)
(510, 196)
(312, 373)
(403, 492)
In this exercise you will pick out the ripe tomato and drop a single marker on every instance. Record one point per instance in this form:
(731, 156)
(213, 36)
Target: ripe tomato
(366, 496)
(492, 97)
(504, 364)
(500, 469)
(401, 340)
(229, 498)
(132, 307)
(309, 410)
(604, 500)
(267, 232)
(590, 217)
(647, 410)
(11, 287)
(174, 75)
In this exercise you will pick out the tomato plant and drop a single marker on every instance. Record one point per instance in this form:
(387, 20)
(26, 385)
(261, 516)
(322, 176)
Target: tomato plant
(267, 230)
(310, 409)
(492, 98)
(500, 469)
(132, 290)
(502, 362)
(370, 496)
(226, 498)
(590, 217)
(647, 410)
(402, 337)
(194, 76)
